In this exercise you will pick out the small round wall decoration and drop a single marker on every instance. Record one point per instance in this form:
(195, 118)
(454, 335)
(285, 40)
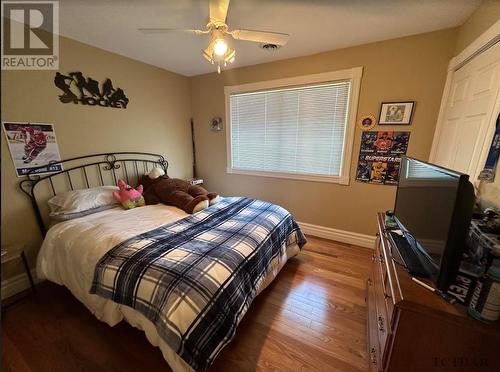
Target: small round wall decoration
(367, 122)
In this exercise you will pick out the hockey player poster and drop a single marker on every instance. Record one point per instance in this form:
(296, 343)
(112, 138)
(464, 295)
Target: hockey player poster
(380, 156)
(32, 145)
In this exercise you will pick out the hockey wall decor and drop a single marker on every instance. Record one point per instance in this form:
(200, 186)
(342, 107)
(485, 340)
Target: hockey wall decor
(77, 88)
(367, 122)
(32, 145)
(488, 172)
(380, 156)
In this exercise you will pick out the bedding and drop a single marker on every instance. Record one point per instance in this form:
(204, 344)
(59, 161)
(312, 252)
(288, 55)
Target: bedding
(195, 278)
(77, 201)
(72, 250)
(59, 217)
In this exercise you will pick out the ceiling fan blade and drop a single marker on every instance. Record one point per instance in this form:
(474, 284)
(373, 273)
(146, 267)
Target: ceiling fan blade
(169, 30)
(263, 37)
(218, 10)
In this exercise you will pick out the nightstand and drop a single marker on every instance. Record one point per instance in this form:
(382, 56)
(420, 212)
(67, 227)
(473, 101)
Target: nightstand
(10, 253)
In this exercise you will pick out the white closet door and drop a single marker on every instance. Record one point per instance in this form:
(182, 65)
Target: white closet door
(469, 114)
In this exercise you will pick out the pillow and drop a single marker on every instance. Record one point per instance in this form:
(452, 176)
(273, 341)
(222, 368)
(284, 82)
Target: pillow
(77, 201)
(70, 216)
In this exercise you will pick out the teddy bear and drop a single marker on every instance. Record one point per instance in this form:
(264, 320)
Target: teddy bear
(159, 188)
(129, 197)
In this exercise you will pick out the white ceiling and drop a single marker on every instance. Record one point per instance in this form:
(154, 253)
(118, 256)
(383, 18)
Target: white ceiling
(314, 26)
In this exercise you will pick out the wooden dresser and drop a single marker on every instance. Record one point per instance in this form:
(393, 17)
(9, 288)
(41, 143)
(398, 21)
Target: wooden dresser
(412, 329)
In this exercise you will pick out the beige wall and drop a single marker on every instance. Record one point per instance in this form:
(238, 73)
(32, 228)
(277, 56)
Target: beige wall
(410, 68)
(156, 120)
(482, 19)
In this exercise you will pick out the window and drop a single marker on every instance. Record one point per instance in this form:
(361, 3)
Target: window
(299, 128)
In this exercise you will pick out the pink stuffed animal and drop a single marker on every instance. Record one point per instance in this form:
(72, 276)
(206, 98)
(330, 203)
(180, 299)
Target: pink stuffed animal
(128, 196)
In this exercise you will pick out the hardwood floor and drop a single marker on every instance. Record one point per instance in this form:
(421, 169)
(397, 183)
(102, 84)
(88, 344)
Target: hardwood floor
(311, 318)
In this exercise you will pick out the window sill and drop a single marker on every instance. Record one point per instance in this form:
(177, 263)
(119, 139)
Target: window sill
(293, 176)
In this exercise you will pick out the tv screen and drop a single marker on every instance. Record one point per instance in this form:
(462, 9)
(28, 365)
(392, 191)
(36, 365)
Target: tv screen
(425, 205)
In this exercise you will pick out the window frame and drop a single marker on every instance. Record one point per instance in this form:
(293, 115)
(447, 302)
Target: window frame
(353, 75)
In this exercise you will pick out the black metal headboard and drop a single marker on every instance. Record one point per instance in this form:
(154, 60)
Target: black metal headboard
(84, 172)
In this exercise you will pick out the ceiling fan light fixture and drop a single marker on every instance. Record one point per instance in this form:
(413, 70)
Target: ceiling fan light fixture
(219, 51)
(220, 47)
(206, 54)
(231, 54)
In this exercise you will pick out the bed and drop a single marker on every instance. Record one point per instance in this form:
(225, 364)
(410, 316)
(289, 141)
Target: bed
(185, 280)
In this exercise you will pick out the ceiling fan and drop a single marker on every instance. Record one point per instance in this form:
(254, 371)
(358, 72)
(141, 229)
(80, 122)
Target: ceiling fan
(218, 50)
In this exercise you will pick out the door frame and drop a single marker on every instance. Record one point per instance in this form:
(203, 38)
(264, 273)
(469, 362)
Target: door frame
(489, 38)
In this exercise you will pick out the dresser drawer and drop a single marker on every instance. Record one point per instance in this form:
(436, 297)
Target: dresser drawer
(374, 363)
(383, 326)
(386, 289)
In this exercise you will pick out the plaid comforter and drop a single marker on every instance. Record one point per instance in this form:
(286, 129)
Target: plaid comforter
(195, 278)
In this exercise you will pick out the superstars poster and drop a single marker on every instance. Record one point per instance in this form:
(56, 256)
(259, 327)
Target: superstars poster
(32, 145)
(380, 156)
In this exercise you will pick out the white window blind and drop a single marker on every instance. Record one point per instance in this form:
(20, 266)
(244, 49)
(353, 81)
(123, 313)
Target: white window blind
(297, 130)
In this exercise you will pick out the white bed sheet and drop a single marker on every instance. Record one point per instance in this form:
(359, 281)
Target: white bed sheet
(71, 250)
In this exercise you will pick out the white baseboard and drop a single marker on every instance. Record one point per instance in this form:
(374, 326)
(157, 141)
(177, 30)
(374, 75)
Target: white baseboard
(342, 236)
(17, 284)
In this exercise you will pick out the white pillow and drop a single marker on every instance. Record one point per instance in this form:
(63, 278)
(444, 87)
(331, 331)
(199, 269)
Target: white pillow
(61, 217)
(82, 200)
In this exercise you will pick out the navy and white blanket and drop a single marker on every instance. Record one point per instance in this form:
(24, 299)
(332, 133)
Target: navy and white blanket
(194, 279)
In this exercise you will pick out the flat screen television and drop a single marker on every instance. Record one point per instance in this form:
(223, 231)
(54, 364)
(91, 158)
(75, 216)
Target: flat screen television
(433, 209)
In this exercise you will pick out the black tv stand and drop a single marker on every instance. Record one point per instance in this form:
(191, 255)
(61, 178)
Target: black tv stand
(410, 258)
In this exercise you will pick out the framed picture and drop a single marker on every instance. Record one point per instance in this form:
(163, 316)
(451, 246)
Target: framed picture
(367, 122)
(216, 124)
(396, 113)
(32, 145)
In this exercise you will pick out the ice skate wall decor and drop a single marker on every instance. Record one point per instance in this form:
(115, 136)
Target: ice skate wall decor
(77, 88)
